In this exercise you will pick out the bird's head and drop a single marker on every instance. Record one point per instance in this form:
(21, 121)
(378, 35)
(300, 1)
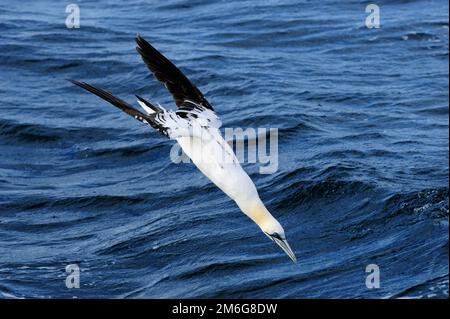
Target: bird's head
(270, 227)
(275, 232)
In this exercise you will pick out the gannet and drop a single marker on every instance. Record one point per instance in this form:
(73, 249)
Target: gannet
(195, 126)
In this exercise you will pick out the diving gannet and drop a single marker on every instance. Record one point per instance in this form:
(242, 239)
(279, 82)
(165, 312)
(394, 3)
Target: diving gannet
(195, 126)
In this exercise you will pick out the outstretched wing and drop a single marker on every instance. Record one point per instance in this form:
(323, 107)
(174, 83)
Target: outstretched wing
(154, 120)
(174, 80)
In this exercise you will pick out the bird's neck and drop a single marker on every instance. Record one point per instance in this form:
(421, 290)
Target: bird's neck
(256, 210)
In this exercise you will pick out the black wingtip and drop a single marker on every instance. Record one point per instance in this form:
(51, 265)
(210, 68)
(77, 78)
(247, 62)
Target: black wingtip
(140, 41)
(107, 96)
(81, 84)
(143, 46)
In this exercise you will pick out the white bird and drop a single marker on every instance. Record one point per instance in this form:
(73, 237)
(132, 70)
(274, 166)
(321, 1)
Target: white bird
(195, 126)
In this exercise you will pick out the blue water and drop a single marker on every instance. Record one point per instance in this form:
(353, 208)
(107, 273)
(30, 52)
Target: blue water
(363, 150)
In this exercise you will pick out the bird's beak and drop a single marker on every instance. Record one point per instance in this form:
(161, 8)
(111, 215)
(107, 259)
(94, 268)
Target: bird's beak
(286, 248)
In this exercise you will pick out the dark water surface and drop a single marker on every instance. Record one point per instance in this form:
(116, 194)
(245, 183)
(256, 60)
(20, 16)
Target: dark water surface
(363, 150)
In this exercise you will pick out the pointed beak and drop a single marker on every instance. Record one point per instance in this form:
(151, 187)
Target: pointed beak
(286, 248)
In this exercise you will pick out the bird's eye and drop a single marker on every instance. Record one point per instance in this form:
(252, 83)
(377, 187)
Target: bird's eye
(275, 235)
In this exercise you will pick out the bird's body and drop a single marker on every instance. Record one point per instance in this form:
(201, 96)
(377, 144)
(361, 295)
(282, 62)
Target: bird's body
(195, 126)
(216, 160)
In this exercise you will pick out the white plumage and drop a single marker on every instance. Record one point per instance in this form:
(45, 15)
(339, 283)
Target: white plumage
(195, 126)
